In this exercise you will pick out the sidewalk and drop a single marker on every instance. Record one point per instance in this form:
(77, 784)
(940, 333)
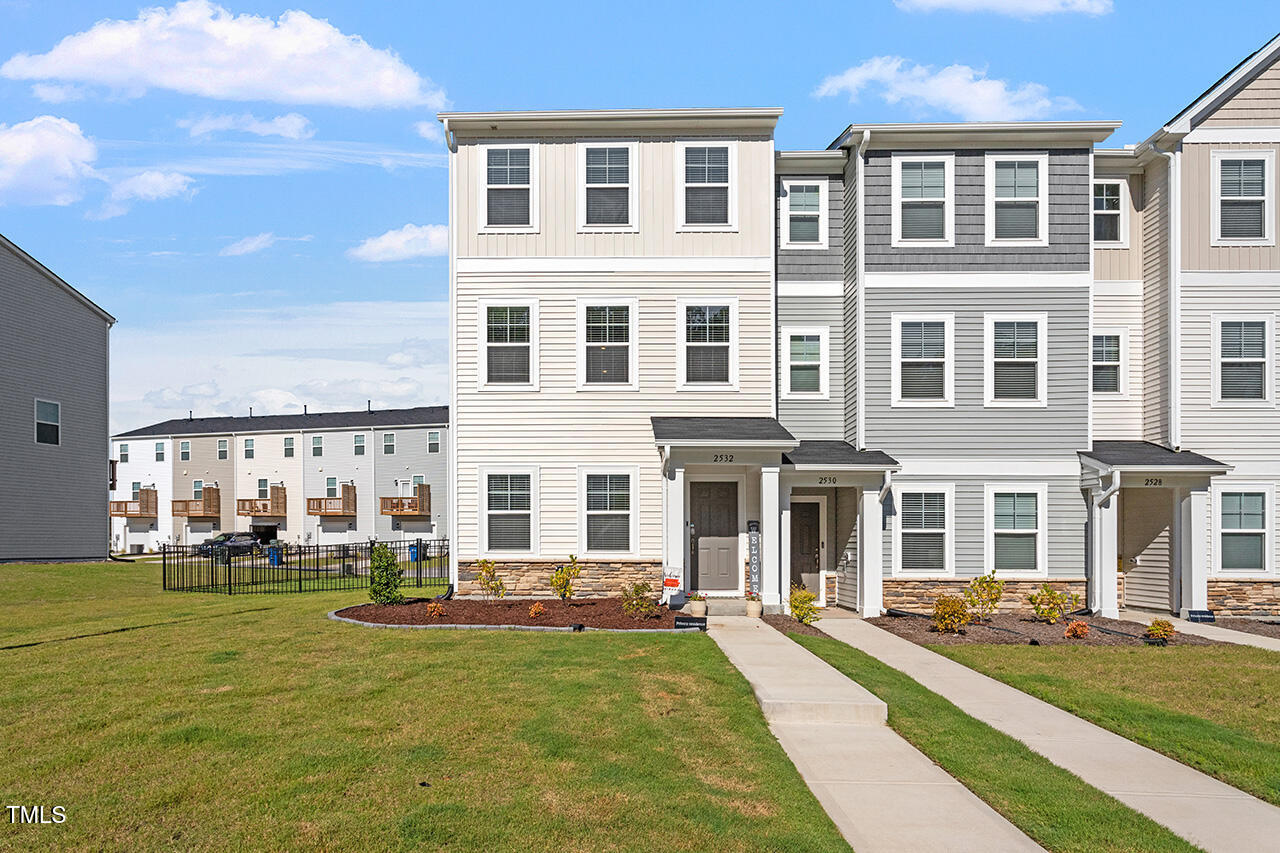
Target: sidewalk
(1208, 631)
(881, 792)
(1201, 809)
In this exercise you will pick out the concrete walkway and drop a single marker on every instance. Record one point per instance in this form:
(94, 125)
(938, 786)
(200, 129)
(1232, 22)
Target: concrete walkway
(881, 792)
(1207, 630)
(1201, 809)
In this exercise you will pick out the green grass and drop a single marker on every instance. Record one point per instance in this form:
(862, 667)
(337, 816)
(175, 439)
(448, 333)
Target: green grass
(1053, 806)
(1211, 707)
(198, 722)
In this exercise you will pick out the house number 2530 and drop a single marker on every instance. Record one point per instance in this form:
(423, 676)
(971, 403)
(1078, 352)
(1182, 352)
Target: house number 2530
(722, 457)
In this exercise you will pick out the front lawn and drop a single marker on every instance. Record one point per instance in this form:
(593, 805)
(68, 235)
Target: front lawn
(1211, 707)
(181, 720)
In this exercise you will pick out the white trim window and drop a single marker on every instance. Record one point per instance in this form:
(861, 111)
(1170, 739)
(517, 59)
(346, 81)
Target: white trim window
(1109, 367)
(264, 491)
(1017, 199)
(924, 210)
(331, 487)
(924, 542)
(184, 451)
(607, 182)
(608, 522)
(803, 211)
(357, 445)
(288, 448)
(508, 187)
(1243, 360)
(388, 444)
(135, 490)
(1244, 197)
(317, 445)
(806, 368)
(706, 173)
(197, 490)
(708, 353)
(433, 441)
(509, 343)
(1111, 213)
(224, 448)
(1243, 521)
(159, 451)
(1016, 541)
(607, 343)
(1015, 372)
(48, 422)
(510, 501)
(248, 448)
(923, 367)
(124, 453)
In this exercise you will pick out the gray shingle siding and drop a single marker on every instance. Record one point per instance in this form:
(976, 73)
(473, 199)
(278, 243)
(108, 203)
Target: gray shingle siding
(815, 265)
(1069, 222)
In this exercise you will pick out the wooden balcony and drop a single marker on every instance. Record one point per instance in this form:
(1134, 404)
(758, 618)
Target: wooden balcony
(209, 506)
(334, 507)
(144, 507)
(274, 506)
(418, 506)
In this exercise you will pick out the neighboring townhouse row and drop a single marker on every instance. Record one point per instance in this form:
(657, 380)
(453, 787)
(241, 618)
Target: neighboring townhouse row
(924, 353)
(310, 479)
(53, 415)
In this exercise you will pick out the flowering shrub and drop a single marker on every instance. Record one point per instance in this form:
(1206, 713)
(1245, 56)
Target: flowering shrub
(491, 586)
(384, 577)
(1076, 630)
(752, 596)
(1049, 605)
(696, 596)
(983, 595)
(1160, 629)
(804, 605)
(950, 614)
(536, 610)
(637, 601)
(435, 610)
(562, 578)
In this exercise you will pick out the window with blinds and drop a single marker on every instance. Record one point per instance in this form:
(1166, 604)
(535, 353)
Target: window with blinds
(1244, 531)
(608, 185)
(1106, 212)
(508, 512)
(805, 364)
(1242, 199)
(706, 331)
(608, 345)
(1015, 365)
(1242, 368)
(923, 536)
(508, 186)
(923, 369)
(706, 185)
(1017, 200)
(804, 208)
(924, 192)
(1016, 526)
(608, 512)
(1106, 364)
(507, 344)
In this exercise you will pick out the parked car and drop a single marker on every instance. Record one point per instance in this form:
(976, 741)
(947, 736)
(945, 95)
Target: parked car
(234, 544)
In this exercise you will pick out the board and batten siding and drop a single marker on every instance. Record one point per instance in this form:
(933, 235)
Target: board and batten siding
(814, 264)
(970, 428)
(851, 248)
(1123, 264)
(560, 428)
(814, 419)
(1155, 304)
(1197, 213)
(1070, 199)
(1256, 104)
(1120, 417)
(655, 181)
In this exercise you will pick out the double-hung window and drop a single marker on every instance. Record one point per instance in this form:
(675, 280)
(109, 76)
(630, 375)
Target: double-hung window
(803, 213)
(1110, 361)
(1243, 198)
(1111, 214)
(124, 453)
(508, 517)
(388, 444)
(606, 343)
(357, 445)
(433, 441)
(184, 451)
(197, 490)
(607, 510)
(317, 445)
(708, 345)
(1017, 208)
(509, 339)
(135, 489)
(159, 451)
(707, 202)
(923, 200)
(1242, 531)
(924, 545)
(923, 372)
(288, 448)
(248, 448)
(331, 487)
(806, 373)
(1016, 529)
(264, 491)
(607, 199)
(48, 422)
(510, 198)
(1242, 365)
(1015, 372)
(223, 448)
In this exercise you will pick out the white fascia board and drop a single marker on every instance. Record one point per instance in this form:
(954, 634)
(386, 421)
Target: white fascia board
(1182, 122)
(741, 264)
(980, 133)
(502, 123)
(1127, 287)
(811, 288)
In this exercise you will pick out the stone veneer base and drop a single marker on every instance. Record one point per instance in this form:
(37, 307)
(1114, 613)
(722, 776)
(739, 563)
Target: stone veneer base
(599, 579)
(919, 595)
(1245, 597)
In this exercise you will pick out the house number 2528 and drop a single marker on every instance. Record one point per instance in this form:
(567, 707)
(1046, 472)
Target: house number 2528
(722, 457)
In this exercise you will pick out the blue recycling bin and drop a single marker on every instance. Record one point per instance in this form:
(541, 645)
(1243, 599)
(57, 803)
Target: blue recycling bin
(273, 555)
(413, 553)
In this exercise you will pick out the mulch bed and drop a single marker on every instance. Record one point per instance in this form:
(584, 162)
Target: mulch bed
(787, 625)
(1269, 627)
(1013, 630)
(593, 613)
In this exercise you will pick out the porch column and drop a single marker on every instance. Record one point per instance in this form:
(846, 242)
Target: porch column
(770, 545)
(1103, 593)
(870, 558)
(1192, 519)
(676, 540)
(784, 555)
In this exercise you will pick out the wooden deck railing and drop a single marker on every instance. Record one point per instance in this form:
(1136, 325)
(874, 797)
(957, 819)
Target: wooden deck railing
(417, 505)
(208, 506)
(143, 507)
(275, 506)
(339, 506)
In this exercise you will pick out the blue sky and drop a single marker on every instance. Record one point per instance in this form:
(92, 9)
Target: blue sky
(267, 222)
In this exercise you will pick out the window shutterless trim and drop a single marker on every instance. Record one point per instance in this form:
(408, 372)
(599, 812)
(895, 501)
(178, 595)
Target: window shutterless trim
(948, 239)
(36, 422)
(482, 343)
(224, 448)
(1041, 491)
(482, 188)
(1268, 156)
(248, 448)
(391, 444)
(948, 400)
(989, 362)
(823, 213)
(633, 347)
(949, 531)
(1042, 199)
(1122, 215)
(633, 520)
(160, 451)
(1268, 400)
(1121, 332)
(684, 302)
(679, 149)
(1268, 490)
(433, 437)
(184, 451)
(482, 485)
(824, 362)
(633, 186)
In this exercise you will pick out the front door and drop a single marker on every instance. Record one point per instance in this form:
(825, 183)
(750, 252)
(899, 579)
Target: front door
(713, 522)
(806, 544)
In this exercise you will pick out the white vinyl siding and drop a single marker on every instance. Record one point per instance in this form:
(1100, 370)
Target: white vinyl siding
(1015, 360)
(1017, 199)
(803, 212)
(607, 520)
(707, 358)
(923, 371)
(1111, 214)
(707, 200)
(1110, 362)
(923, 201)
(607, 182)
(1016, 524)
(1243, 365)
(509, 519)
(1243, 198)
(509, 342)
(806, 355)
(508, 188)
(923, 532)
(607, 343)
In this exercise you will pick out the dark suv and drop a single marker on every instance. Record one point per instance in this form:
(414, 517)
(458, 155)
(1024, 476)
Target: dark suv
(233, 544)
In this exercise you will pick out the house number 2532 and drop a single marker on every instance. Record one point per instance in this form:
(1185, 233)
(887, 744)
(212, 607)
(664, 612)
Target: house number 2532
(722, 457)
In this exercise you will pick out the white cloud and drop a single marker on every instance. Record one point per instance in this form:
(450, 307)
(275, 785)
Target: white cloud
(52, 93)
(44, 161)
(258, 242)
(430, 130)
(400, 244)
(248, 158)
(959, 90)
(200, 48)
(1015, 8)
(151, 185)
(290, 126)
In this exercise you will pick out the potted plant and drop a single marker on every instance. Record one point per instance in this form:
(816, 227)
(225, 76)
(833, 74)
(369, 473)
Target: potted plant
(755, 607)
(697, 604)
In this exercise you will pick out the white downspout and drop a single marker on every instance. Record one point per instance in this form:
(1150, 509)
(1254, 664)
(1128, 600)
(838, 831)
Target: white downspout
(860, 418)
(1175, 297)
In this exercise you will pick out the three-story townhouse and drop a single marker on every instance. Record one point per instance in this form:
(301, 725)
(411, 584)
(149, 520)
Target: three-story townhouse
(141, 520)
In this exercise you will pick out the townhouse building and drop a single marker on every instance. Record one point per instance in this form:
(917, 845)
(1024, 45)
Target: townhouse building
(310, 479)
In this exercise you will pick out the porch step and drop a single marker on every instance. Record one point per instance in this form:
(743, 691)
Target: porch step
(723, 607)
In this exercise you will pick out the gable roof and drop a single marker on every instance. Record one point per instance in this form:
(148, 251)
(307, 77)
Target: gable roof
(17, 251)
(1225, 86)
(419, 416)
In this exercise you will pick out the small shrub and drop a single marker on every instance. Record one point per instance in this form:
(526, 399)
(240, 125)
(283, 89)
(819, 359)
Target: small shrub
(1076, 630)
(983, 595)
(491, 586)
(637, 601)
(536, 610)
(1160, 629)
(804, 605)
(752, 596)
(696, 596)
(435, 610)
(384, 577)
(1049, 605)
(562, 578)
(950, 614)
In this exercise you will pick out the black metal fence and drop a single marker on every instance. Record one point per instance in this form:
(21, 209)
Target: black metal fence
(300, 568)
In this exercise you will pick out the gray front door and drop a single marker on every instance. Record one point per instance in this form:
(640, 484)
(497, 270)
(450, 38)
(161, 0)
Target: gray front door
(806, 544)
(713, 517)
